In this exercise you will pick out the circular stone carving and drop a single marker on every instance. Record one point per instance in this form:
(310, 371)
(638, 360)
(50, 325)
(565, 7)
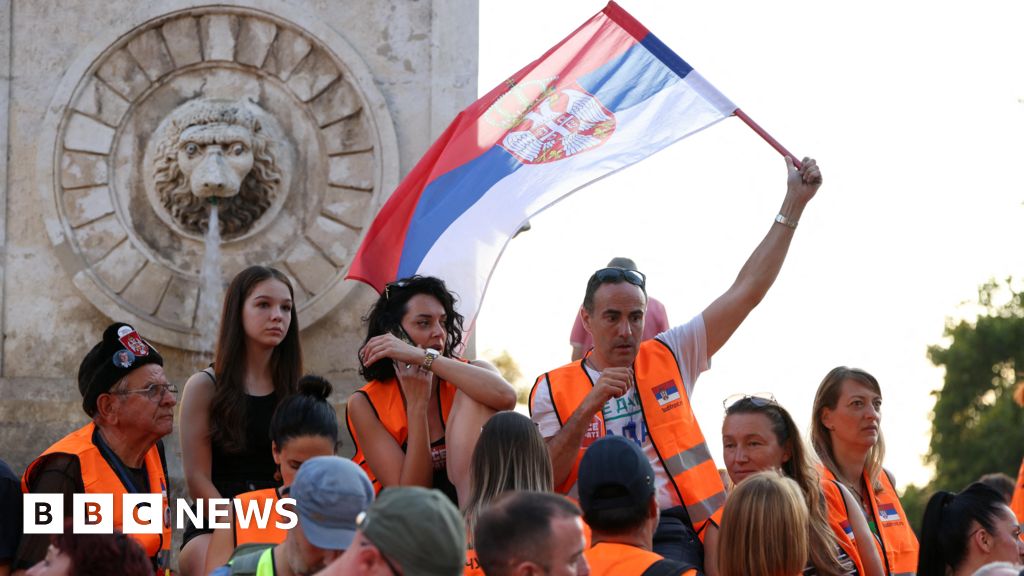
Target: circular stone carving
(225, 101)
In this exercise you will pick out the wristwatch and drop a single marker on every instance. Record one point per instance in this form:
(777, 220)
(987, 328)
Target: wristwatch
(429, 357)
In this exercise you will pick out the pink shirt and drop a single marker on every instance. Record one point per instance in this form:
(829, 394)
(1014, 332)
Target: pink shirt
(655, 322)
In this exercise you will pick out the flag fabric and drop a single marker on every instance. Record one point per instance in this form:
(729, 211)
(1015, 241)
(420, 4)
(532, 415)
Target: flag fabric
(606, 97)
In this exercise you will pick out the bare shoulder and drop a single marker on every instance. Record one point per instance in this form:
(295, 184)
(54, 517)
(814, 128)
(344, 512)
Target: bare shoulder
(198, 393)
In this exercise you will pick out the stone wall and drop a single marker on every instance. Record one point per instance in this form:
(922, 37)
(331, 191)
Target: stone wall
(356, 91)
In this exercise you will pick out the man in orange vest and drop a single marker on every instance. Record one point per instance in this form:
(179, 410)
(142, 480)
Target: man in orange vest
(616, 487)
(127, 395)
(642, 390)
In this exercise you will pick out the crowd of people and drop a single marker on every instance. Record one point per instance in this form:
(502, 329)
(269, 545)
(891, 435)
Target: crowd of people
(609, 475)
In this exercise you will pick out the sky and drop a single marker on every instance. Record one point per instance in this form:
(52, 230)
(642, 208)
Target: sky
(914, 113)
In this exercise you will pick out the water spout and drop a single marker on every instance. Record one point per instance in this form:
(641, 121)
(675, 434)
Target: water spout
(211, 286)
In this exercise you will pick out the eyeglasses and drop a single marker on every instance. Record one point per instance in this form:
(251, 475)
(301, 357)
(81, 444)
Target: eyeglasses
(634, 277)
(758, 399)
(154, 392)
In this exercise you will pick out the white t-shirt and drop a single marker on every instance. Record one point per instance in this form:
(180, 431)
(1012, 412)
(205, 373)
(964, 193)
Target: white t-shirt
(623, 416)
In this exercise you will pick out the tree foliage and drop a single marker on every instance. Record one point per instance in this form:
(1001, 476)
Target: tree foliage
(977, 427)
(510, 371)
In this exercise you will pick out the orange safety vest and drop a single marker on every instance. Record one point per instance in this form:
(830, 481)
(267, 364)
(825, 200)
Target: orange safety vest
(253, 534)
(99, 478)
(672, 426)
(897, 545)
(839, 521)
(1017, 504)
(472, 564)
(387, 401)
(612, 559)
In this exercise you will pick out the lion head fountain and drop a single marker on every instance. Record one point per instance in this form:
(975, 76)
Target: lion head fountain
(215, 150)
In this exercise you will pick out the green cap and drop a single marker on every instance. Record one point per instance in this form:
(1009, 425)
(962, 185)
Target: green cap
(418, 529)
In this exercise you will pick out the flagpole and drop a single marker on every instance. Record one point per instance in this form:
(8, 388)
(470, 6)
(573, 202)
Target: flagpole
(767, 137)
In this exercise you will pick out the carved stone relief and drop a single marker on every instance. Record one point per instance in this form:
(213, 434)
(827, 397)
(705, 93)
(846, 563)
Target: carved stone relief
(281, 123)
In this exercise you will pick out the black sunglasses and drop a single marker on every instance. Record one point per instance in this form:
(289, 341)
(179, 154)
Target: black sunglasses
(634, 277)
(758, 399)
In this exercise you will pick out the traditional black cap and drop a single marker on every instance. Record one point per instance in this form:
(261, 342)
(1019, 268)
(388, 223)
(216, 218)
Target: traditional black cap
(121, 351)
(617, 463)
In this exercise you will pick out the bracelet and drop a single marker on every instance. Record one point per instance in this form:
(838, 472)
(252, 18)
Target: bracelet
(787, 222)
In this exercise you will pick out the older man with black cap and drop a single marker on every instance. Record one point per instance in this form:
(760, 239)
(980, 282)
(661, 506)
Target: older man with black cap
(330, 494)
(125, 392)
(616, 488)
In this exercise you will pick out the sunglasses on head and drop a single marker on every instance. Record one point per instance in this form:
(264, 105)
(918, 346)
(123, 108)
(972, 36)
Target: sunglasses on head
(634, 277)
(758, 399)
(398, 284)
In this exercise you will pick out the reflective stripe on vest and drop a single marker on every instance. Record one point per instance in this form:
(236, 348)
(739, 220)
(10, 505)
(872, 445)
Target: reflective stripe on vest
(672, 426)
(897, 545)
(839, 521)
(386, 400)
(99, 478)
(253, 534)
(1018, 496)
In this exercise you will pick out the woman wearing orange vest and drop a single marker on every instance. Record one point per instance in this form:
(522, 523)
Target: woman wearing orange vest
(758, 434)
(126, 393)
(846, 434)
(417, 420)
(304, 426)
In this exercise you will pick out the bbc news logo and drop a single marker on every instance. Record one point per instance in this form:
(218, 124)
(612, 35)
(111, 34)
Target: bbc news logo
(144, 513)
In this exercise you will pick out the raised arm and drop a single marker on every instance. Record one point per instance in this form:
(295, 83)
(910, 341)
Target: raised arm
(758, 274)
(194, 434)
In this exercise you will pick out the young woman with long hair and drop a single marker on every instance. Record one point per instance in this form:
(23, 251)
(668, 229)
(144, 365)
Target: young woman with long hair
(416, 421)
(304, 426)
(847, 437)
(226, 409)
(758, 434)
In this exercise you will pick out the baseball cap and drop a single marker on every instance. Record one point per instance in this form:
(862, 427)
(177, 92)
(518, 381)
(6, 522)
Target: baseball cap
(614, 462)
(330, 493)
(419, 529)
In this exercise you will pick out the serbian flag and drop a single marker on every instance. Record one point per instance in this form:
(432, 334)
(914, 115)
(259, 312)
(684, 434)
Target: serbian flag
(606, 97)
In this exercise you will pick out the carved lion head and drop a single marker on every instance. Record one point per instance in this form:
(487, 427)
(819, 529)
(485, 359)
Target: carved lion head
(210, 148)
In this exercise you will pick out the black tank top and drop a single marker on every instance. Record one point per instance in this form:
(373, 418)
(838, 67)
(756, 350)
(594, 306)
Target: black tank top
(253, 468)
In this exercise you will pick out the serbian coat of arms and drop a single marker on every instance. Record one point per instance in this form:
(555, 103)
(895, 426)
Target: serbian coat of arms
(564, 123)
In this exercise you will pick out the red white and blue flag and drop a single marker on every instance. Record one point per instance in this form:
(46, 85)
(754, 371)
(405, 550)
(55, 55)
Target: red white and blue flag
(606, 97)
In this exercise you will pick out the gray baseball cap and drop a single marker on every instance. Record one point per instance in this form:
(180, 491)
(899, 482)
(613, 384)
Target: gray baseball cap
(330, 492)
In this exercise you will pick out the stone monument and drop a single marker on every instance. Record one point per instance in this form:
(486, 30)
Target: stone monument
(121, 120)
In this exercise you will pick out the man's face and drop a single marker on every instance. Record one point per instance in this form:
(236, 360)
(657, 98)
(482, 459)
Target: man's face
(616, 324)
(567, 544)
(144, 414)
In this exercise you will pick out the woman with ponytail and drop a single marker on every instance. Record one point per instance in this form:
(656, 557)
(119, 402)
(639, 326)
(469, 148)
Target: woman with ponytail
(962, 532)
(303, 426)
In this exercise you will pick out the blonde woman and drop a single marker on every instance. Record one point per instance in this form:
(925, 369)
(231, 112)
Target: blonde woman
(846, 434)
(510, 455)
(764, 528)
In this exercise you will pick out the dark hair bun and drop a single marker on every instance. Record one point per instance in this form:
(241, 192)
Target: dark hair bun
(316, 386)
